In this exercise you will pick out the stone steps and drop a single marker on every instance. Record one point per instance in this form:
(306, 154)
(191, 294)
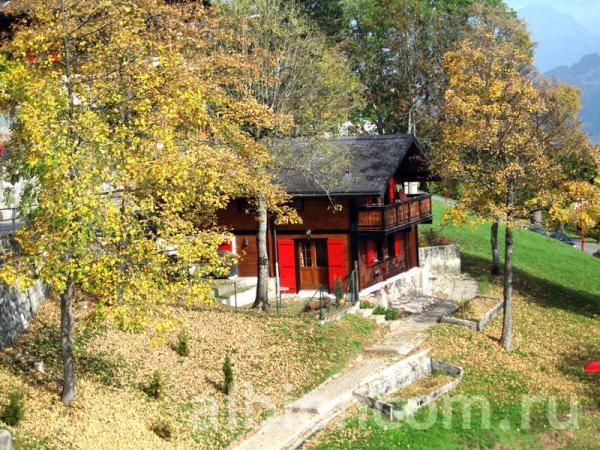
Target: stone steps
(337, 391)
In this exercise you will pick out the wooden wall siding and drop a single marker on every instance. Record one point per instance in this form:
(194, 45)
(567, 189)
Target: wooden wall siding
(317, 214)
(248, 263)
(232, 218)
(412, 247)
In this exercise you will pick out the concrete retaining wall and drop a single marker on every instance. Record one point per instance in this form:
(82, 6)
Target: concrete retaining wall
(474, 325)
(17, 309)
(441, 259)
(5, 440)
(404, 373)
(416, 280)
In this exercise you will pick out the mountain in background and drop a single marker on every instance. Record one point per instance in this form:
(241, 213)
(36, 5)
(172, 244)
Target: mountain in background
(566, 50)
(585, 74)
(562, 41)
(585, 12)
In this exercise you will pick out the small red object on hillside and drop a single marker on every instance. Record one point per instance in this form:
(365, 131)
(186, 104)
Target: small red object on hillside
(592, 367)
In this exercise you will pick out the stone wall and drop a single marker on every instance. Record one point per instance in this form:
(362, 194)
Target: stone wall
(17, 309)
(416, 280)
(441, 259)
(5, 440)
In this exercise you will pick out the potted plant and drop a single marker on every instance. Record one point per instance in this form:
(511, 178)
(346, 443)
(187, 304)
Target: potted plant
(338, 291)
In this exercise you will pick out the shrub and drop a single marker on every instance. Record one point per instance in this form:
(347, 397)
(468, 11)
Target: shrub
(366, 304)
(227, 375)
(156, 386)
(182, 348)
(163, 429)
(338, 288)
(391, 314)
(380, 310)
(13, 412)
(432, 238)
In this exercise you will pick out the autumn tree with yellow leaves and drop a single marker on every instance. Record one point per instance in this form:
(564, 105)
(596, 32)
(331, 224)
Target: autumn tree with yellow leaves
(130, 128)
(491, 142)
(310, 88)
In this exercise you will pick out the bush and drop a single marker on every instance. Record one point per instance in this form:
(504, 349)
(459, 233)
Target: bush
(163, 429)
(380, 310)
(391, 314)
(156, 386)
(432, 238)
(366, 304)
(182, 348)
(13, 412)
(227, 375)
(338, 288)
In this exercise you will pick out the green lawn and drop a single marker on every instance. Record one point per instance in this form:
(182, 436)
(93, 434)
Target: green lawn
(556, 331)
(566, 269)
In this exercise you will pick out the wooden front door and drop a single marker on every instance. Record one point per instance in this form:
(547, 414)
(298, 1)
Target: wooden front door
(312, 261)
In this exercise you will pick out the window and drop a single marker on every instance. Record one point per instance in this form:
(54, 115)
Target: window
(298, 204)
(321, 253)
(380, 246)
(391, 251)
(305, 256)
(370, 252)
(243, 205)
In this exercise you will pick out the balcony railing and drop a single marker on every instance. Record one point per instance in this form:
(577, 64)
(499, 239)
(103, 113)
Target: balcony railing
(380, 218)
(382, 270)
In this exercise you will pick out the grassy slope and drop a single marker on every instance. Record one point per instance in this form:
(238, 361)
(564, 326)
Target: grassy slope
(535, 257)
(276, 358)
(557, 330)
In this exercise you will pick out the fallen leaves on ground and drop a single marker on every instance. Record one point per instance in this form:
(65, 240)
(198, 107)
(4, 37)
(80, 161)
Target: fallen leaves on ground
(275, 359)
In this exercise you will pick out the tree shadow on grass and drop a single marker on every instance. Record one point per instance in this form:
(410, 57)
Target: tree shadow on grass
(42, 345)
(550, 295)
(542, 292)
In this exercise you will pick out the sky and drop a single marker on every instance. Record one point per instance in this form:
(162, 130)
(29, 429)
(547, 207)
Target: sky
(586, 12)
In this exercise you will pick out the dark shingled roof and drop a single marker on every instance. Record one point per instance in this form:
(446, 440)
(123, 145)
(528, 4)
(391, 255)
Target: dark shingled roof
(374, 159)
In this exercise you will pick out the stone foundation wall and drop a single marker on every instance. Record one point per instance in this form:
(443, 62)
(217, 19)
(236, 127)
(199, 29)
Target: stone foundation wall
(17, 309)
(416, 280)
(441, 259)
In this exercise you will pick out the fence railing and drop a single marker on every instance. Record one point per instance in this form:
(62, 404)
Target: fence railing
(8, 225)
(385, 217)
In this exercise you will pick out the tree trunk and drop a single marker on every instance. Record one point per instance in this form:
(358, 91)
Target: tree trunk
(66, 344)
(582, 231)
(506, 339)
(535, 217)
(262, 286)
(495, 250)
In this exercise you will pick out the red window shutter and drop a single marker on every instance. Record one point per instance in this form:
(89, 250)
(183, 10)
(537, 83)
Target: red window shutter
(370, 252)
(398, 241)
(287, 265)
(226, 246)
(392, 189)
(336, 261)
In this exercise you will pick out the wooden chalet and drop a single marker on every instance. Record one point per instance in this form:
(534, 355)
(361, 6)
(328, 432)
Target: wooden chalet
(375, 230)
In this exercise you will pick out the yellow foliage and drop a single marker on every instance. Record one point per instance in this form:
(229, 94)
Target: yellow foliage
(131, 131)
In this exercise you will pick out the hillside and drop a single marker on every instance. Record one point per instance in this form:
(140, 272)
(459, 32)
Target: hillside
(113, 410)
(586, 76)
(556, 331)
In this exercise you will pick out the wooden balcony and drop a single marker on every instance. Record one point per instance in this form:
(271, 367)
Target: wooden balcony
(395, 216)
